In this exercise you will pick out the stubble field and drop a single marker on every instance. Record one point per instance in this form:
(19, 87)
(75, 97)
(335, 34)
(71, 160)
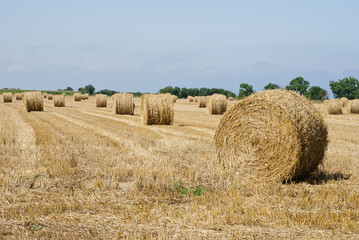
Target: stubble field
(84, 172)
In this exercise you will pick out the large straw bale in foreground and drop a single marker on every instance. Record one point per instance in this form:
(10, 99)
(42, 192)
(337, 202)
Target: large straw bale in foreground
(333, 106)
(7, 97)
(274, 135)
(217, 104)
(77, 97)
(157, 109)
(354, 106)
(33, 101)
(19, 96)
(59, 100)
(101, 100)
(123, 104)
(202, 102)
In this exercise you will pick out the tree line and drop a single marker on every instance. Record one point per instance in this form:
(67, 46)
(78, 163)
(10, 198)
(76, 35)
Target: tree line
(347, 87)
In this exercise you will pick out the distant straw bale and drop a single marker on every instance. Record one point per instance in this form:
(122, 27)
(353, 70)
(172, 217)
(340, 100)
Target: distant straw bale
(217, 104)
(274, 135)
(33, 101)
(85, 96)
(59, 100)
(230, 99)
(195, 99)
(77, 97)
(101, 100)
(202, 102)
(354, 106)
(7, 97)
(19, 96)
(50, 96)
(333, 106)
(44, 94)
(190, 98)
(346, 108)
(157, 109)
(123, 104)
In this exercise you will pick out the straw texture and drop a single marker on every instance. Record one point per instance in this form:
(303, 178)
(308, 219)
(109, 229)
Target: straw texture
(19, 96)
(202, 102)
(217, 104)
(333, 106)
(33, 101)
(59, 100)
(77, 97)
(157, 109)
(7, 97)
(354, 106)
(274, 135)
(123, 104)
(101, 100)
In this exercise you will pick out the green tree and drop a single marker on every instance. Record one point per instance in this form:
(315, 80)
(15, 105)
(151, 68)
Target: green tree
(317, 93)
(81, 90)
(299, 85)
(69, 89)
(245, 90)
(89, 89)
(271, 86)
(347, 87)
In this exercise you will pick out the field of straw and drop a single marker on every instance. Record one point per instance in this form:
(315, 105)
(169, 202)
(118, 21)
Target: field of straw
(81, 172)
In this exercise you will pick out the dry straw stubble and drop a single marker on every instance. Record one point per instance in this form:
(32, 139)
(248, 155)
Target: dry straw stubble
(274, 135)
(123, 104)
(59, 100)
(101, 100)
(33, 101)
(217, 104)
(157, 109)
(7, 97)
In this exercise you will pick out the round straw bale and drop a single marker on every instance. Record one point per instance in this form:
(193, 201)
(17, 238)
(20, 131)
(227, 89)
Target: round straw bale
(101, 100)
(77, 97)
(157, 109)
(50, 96)
(195, 99)
(44, 94)
(230, 99)
(346, 108)
(202, 102)
(7, 97)
(354, 106)
(18, 96)
(85, 96)
(123, 104)
(59, 100)
(333, 106)
(33, 101)
(64, 94)
(274, 135)
(217, 104)
(190, 98)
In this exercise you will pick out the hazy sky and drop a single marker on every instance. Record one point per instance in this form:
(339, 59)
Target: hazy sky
(148, 45)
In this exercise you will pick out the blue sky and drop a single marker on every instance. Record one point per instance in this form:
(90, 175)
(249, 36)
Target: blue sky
(148, 45)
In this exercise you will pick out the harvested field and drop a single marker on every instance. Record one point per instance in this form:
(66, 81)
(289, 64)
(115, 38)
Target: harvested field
(83, 172)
